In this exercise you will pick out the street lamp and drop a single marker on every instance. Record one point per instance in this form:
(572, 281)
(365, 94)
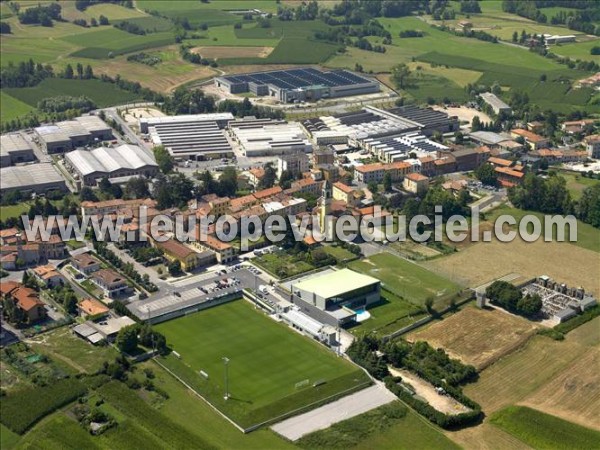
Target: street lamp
(226, 363)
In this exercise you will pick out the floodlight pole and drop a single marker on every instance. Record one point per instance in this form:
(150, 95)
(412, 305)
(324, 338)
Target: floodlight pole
(226, 363)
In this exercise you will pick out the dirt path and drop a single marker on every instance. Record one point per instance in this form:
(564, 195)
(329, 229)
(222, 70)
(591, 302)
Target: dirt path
(442, 403)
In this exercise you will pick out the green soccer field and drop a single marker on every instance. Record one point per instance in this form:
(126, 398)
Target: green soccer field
(267, 360)
(406, 279)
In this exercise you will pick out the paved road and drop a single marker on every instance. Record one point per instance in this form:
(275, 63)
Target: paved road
(342, 409)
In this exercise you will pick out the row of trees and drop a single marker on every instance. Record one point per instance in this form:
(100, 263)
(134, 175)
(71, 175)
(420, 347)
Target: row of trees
(65, 102)
(551, 196)
(42, 15)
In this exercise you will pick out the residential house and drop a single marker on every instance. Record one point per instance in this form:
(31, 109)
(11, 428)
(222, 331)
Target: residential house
(255, 176)
(509, 177)
(112, 283)
(576, 126)
(535, 141)
(176, 251)
(592, 145)
(92, 307)
(415, 183)
(48, 276)
(26, 299)
(347, 194)
(85, 263)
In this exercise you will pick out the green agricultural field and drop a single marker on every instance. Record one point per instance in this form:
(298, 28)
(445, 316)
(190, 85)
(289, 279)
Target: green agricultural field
(543, 431)
(101, 93)
(226, 35)
(151, 24)
(579, 50)
(223, 5)
(588, 237)
(110, 41)
(406, 279)
(111, 11)
(12, 107)
(267, 360)
(295, 36)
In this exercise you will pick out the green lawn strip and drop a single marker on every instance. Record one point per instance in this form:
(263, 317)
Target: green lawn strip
(543, 431)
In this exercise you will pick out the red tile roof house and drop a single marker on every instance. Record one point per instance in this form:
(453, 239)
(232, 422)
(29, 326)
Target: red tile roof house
(26, 299)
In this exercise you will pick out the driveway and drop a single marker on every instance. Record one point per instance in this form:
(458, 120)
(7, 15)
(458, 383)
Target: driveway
(345, 408)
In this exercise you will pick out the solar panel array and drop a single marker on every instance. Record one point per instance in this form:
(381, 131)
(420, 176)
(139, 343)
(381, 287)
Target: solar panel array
(298, 78)
(424, 116)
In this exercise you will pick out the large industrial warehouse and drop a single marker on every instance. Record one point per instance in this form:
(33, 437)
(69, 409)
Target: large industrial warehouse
(64, 136)
(122, 161)
(260, 137)
(194, 136)
(32, 178)
(298, 85)
(14, 149)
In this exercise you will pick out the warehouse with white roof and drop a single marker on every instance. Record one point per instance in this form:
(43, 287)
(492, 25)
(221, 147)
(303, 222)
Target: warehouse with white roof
(123, 161)
(14, 149)
(272, 137)
(32, 178)
(193, 136)
(64, 136)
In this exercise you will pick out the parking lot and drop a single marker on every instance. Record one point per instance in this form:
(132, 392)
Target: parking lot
(205, 289)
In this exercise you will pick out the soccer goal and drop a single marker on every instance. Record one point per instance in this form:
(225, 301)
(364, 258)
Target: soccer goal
(301, 384)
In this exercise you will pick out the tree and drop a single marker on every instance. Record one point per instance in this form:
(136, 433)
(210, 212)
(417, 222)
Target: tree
(127, 339)
(476, 124)
(137, 187)
(228, 183)
(87, 195)
(373, 187)
(103, 20)
(387, 181)
(174, 268)
(163, 159)
(529, 305)
(400, 75)
(93, 22)
(269, 178)
(68, 73)
(4, 28)
(487, 174)
(89, 73)
(286, 179)
(515, 36)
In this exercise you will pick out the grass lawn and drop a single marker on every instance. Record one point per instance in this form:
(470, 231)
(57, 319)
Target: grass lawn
(405, 279)
(282, 264)
(543, 431)
(62, 345)
(576, 183)
(579, 50)
(410, 432)
(12, 107)
(389, 315)
(8, 439)
(266, 361)
(339, 253)
(13, 210)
